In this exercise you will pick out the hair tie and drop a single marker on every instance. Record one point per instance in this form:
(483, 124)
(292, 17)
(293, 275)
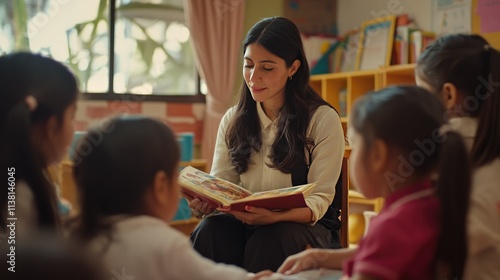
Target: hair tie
(486, 47)
(31, 102)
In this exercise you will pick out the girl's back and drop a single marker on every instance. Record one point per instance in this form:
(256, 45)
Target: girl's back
(464, 71)
(147, 248)
(129, 192)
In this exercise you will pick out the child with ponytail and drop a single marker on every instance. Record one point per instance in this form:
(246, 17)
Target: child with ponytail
(464, 71)
(36, 128)
(403, 150)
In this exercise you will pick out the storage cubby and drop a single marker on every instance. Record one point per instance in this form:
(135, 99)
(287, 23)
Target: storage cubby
(398, 75)
(356, 84)
(359, 84)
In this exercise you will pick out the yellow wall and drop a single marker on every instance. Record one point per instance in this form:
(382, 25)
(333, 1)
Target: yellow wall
(257, 9)
(254, 11)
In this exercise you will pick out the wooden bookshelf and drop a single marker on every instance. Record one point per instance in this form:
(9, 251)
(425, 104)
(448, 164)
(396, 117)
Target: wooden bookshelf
(200, 164)
(357, 84)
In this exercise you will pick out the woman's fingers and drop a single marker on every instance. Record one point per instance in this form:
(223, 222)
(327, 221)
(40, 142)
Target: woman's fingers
(200, 208)
(193, 204)
(203, 207)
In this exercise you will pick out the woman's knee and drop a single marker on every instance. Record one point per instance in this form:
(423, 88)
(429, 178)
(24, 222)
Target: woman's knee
(216, 226)
(290, 236)
(283, 234)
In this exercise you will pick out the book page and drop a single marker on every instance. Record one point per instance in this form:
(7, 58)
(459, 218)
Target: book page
(209, 185)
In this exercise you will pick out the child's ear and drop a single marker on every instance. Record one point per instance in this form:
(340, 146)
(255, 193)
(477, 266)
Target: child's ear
(50, 129)
(160, 188)
(379, 155)
(450, 95)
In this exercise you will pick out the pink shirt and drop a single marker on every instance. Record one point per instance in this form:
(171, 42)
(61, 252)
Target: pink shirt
(401, 240)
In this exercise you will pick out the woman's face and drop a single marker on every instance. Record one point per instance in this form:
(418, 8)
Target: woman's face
(266, 75)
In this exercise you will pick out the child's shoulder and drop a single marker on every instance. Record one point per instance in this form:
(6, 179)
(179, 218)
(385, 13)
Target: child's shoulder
(147, 226)
(141, 234)
(415, 217)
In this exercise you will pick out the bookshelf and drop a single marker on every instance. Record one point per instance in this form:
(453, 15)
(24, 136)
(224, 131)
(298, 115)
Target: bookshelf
(200, 164)
(356, 84)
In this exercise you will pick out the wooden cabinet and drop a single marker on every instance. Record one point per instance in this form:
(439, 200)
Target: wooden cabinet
(343, 89)
(200, 164)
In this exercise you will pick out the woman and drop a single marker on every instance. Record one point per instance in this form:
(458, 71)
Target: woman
(280, 134)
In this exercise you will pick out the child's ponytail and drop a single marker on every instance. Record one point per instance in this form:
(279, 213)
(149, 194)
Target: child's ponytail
(453, 192)
(18, 151)
(486, 147)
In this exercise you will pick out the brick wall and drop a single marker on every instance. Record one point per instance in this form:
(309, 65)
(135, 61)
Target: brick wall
(182, 117)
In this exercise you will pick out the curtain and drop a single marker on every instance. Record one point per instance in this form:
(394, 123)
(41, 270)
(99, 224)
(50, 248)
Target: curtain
(216, 30)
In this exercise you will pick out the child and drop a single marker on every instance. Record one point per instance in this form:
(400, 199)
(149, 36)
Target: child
(127, 179)
(399, 142)
(36, 127)
(464, 71)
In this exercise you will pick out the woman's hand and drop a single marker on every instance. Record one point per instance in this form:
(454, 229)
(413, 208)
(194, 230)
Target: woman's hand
(254, 215)
(200, 208)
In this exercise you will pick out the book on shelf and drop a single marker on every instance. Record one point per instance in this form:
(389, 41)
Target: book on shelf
(401, 52)
(221, 193)
(419, 40)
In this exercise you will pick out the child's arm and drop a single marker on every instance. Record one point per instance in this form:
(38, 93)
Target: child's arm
(315, 258)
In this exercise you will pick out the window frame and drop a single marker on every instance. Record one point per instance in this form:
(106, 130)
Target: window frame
(199, 97)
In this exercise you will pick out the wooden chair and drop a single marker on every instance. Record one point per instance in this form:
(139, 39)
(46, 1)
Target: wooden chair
(341, 200)
(344, 206)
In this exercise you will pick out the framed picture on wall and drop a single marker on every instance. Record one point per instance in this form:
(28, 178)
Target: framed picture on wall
(375, 43)
(349, 55)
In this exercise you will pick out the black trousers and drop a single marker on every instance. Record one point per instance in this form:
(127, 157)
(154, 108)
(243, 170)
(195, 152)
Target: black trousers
(226, 239)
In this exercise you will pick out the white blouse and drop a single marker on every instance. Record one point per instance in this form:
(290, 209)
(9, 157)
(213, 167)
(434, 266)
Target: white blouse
(483, 222)
(325, 129)
(145, 247)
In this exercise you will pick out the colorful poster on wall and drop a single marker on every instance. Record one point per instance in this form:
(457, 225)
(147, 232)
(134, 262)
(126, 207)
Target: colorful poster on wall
(488, 11)
(313, 17)
(452, 16)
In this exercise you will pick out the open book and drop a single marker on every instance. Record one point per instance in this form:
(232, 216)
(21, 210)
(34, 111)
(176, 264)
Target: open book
(221, 193)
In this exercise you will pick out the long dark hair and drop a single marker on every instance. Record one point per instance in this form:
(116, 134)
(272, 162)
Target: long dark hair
(55, 88)
(473, 66)
(117, 163)
(281, 37)
(409, 119)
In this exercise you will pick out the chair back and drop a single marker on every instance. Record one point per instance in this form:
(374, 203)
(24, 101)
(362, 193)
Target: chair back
(341, 202)
(342, 190)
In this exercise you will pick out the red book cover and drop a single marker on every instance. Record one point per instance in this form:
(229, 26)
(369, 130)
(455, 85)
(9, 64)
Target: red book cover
(291, 201)
(220, 193)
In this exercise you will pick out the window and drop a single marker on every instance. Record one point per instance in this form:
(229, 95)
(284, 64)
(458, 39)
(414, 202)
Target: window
(119, 49)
